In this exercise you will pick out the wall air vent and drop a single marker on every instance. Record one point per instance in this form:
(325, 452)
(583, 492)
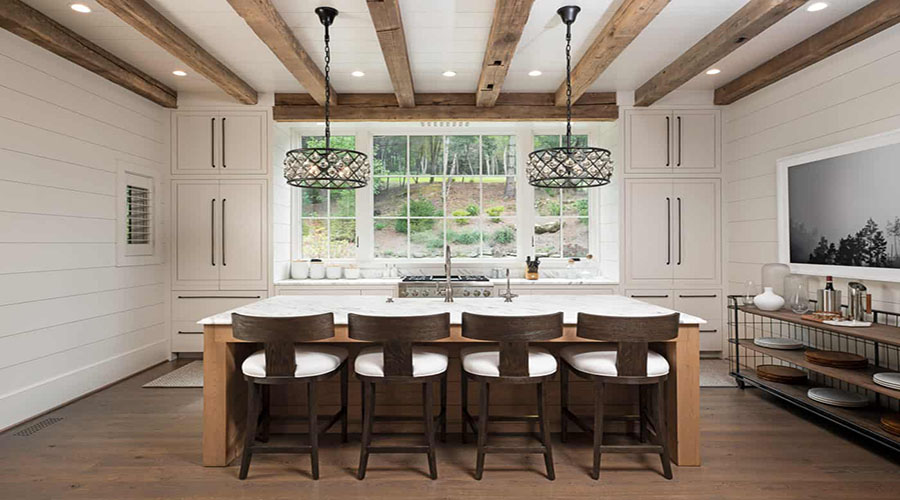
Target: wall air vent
(444, 124)
(33, 428)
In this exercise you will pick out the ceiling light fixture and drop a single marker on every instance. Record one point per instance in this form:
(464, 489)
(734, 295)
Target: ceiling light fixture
(178, 72)
(569, 166)
(535, 72)
(358, 74)
(449, 74)
(80, 7)
(326, 167)
(713, 71)
(817, 6)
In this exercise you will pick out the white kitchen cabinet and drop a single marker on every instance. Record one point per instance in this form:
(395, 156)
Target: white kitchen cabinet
(672, 232)
(190, 307)
(672, 141)
(220, 143)
(661, 298)
(706, 304)
(220, 236)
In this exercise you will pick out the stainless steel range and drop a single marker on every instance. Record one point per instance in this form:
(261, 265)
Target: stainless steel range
(434, 286)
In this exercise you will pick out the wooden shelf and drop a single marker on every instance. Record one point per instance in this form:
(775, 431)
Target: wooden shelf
(868, 418)
(861, 378)
(876, 333)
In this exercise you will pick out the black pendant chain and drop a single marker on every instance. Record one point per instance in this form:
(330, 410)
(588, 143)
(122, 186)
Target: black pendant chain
(568, 85)
(327, 88)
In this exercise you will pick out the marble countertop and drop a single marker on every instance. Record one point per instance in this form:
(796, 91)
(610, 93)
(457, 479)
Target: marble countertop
(497, 282)
(570, 305)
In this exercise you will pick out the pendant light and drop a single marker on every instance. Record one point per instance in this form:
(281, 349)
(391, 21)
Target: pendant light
(569, 166)
(328, 167)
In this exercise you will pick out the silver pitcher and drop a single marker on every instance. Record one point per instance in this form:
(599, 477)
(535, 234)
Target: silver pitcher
(858, 304)
(828, 301)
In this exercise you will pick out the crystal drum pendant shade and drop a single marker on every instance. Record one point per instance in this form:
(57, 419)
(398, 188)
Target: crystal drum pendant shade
(569, 166)
(326, 168)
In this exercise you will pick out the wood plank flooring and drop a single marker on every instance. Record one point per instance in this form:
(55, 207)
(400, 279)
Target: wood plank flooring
(131, 443)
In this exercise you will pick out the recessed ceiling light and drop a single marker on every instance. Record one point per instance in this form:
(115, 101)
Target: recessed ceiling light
(80, 7)
(535, 72)
(713, 71)
(178, 72)
(817, 6)
(449, 73)
(358, 74)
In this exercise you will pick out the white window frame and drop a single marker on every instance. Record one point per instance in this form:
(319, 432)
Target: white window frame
(525, 213)
(128, 173)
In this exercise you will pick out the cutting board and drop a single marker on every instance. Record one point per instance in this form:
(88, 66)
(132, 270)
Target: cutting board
(782, 374)
(837, 359)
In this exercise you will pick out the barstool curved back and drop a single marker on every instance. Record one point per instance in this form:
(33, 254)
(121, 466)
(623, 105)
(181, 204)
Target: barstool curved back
(397, 334)
(513, 333)
(279, 335)
(632, 336)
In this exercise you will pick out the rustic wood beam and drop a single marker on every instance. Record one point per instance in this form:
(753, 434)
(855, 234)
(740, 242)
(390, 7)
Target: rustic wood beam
(865, 22)
(626, 24)
(752, 19)
(269, 26)
(144, 18)
(30, 24)
(383, 107)
(389, 27)
(509, 20)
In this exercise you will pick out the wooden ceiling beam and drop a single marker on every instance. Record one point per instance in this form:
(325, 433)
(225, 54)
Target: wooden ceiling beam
(865, 22)
(32, 25)
(144, 18)
(389, 28)
(752, 19)
(270, 27)
(509, 20)
(626, 24)
(451, 107)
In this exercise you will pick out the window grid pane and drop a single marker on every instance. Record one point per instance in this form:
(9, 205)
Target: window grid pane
(561, 226)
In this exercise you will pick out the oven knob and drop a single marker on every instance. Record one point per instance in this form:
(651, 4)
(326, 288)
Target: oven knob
(477, 293)
(415, 293)
(404, 293)
(425, 293)
(466, 293)
(487, 293)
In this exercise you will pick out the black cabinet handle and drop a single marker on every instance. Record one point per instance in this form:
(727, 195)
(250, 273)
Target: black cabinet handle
(223, 143)
(679, 230)
(219, 296)
(223, 232)
(649, 296)
(668, 230)
(189, 333)
(679, 140)
(212, 142)
(668, 142)
(212, 231)
(709, 331)
(698, 296)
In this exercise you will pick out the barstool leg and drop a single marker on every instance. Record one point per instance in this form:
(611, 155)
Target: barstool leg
(444, 408)
(482, 428)
(313, 406)
(464, 401)
(250, 430)
(564, 401)
(265, 419)
(598, 427)
(662, 429)
(545, 432)
(345, 376)
(643, 410)
(428, 407)
(368, 417)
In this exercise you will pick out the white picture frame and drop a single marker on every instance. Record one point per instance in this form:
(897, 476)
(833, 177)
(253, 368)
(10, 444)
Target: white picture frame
(783, 217)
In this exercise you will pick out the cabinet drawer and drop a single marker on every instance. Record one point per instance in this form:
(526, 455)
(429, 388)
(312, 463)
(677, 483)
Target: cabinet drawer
(193, 306)
(662, 298)
(706, 304)
(711, 335)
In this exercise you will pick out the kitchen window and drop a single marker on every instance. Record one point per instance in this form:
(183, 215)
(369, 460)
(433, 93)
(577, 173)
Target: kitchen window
(562, 216)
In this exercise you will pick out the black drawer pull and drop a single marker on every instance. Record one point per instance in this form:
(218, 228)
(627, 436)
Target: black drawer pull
(189, 333)
(218, 297)
(649, 296)
(697, 296)
(708, 331)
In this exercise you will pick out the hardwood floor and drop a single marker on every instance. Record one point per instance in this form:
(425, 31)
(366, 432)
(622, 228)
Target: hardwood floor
(126, 442)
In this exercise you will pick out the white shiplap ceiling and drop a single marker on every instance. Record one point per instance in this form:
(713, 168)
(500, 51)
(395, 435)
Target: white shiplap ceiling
(441, 35)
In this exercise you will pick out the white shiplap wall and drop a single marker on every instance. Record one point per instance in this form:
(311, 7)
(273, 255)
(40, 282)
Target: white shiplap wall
(853, 94)
(70, 320)
(281, 206)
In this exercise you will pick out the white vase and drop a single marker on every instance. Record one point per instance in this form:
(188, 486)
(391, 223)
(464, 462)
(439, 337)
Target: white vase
(768, 301)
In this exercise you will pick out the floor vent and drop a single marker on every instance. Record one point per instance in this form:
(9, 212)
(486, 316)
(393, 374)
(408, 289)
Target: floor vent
(31, 429)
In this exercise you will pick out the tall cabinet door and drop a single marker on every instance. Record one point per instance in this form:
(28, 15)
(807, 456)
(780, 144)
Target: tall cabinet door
(697, 139)
(649, 215)
(244, 246)
(196, 242)
(648, 140)
(696, 230)
(196, 150)
(243, 145)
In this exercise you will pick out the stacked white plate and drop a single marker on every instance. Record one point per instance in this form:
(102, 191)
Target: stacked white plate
(887, 379)
(837, 397)
(778, 343)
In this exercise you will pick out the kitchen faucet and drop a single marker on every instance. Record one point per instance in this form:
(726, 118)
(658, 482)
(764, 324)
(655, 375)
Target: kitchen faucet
(448, 291)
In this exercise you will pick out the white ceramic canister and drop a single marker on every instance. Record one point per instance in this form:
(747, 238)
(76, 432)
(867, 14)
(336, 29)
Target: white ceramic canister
(768, 301)
(299, 269)
(333, 272)
(351, 273)
(316, 269)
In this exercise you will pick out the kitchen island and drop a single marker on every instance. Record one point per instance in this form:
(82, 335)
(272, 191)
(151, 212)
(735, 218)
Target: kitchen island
(224, 390)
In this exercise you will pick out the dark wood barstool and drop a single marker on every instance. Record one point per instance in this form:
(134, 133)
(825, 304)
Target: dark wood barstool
(398, 360)
(512, 362)
(630, 362)
(281, 362)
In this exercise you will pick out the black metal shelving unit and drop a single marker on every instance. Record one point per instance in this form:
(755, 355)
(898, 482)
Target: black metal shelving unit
(880, 345)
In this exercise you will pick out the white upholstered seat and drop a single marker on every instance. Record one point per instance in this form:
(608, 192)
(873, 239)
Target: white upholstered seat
(427, 361)
(311, 361)
(485, 361)
(601, 360)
